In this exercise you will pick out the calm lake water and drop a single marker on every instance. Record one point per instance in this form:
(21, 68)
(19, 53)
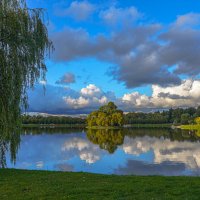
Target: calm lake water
(130, 151)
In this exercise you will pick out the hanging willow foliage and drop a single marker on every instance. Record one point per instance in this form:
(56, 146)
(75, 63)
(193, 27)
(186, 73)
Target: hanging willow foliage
(24, 44)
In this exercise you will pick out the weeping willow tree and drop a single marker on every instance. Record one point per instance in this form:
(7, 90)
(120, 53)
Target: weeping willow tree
(24, 44)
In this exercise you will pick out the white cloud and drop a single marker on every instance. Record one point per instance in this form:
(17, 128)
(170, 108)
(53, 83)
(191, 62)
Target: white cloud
(114, 15)
(187, 20)
(136, 99)
(80, 102)
(49, 100)
(90, 90)
(79, 10)
(42, 82)
(40, 164)
(184, 95)
(65, 100)
(90, 96)
(141, 53)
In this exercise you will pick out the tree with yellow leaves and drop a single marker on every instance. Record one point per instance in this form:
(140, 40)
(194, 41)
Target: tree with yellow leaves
(197, 120)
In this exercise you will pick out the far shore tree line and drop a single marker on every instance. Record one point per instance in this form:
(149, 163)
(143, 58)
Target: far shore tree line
(109, 115)
(27, 119)
(172, 116)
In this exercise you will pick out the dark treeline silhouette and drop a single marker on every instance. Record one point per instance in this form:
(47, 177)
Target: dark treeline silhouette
(175, 116)
(171, 116)
(27, 119)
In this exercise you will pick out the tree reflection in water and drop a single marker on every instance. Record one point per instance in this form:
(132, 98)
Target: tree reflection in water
(9, 143)
(197, 133)
(110, 139)
(106, 138)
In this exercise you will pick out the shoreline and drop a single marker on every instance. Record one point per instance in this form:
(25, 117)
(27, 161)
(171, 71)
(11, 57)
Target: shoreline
(53, 126)
(96, 127)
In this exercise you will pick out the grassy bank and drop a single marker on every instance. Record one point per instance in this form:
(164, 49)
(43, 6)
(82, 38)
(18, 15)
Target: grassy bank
(20, 184)
(149, 126)
(190, 127)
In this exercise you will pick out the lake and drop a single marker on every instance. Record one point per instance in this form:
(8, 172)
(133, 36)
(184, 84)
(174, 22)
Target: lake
(129, 151)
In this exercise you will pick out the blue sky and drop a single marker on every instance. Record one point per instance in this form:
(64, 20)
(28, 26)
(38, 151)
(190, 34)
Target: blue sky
(141, 54)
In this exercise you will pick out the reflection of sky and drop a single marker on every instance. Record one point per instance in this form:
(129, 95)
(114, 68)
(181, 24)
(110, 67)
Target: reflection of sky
(140, 155)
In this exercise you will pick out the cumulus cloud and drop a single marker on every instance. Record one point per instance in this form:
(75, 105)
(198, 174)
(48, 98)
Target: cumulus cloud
(184, 95)
(172, 96)
(71, 44)
(76, 103)
(136, 99)
(90, 97)
(65, 100)
(120, 16)
(78, 10)
(182, 46)
(91, 90)
(50, 100)
(141, 54)
(188, 20)
(66, 79)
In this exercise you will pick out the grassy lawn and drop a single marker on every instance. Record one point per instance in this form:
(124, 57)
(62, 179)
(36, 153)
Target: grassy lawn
(21, 184)
(150, 125)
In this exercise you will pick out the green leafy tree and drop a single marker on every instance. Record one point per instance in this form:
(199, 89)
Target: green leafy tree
(107, 115)
(24, 45)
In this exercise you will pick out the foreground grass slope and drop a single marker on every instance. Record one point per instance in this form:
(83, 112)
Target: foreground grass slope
(21, 184)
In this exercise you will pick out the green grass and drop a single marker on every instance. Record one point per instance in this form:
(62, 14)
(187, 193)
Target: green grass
(190, 127)
(21, 184)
